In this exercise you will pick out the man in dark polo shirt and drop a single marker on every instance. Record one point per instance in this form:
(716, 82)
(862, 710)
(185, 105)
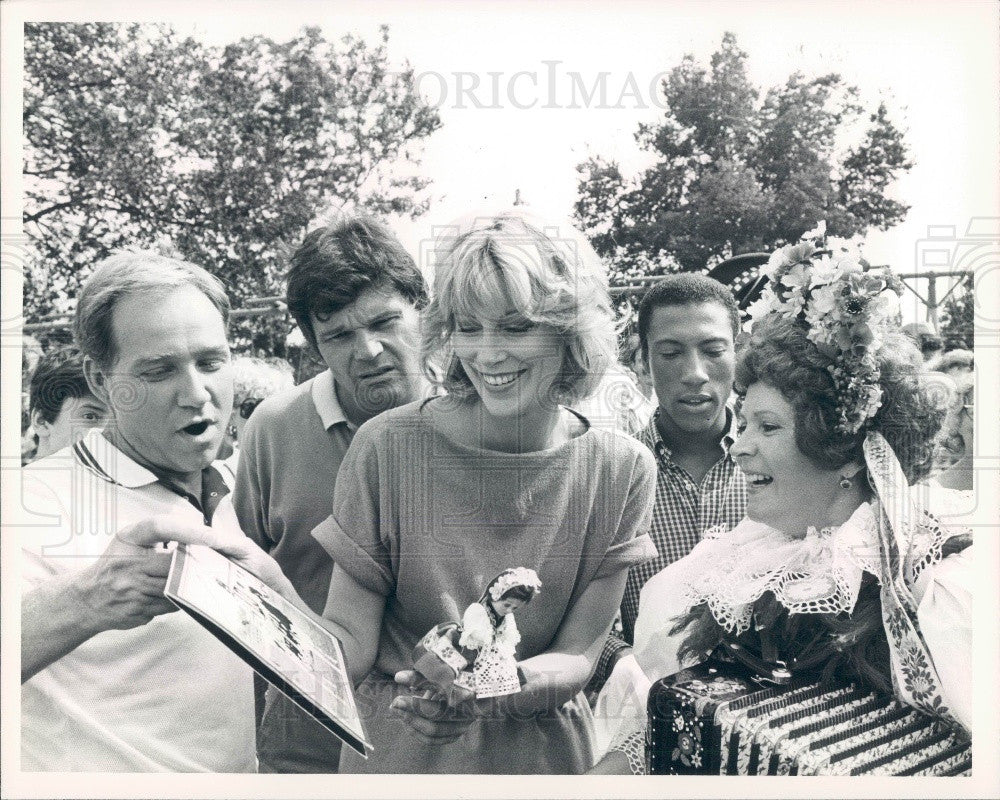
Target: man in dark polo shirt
(356, 294)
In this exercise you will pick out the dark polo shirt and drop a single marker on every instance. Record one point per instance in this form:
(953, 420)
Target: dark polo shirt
(290, 452)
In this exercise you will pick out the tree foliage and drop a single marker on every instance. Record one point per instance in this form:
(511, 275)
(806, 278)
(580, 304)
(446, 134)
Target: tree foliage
(135, 136)
(737, 170)
(958, 316)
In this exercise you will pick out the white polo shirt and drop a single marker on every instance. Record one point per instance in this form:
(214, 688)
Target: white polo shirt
(166, 696)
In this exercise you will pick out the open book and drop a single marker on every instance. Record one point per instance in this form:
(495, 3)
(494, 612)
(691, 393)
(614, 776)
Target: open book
(287, 648)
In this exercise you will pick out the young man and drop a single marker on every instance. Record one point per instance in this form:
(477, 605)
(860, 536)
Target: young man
(111, 681)
(355, 293)
(61, 404)
(687, 331)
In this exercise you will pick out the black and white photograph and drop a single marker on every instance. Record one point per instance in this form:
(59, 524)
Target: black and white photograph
(586, 390)
(283, 645)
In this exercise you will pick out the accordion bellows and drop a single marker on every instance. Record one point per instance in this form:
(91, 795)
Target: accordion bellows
(716, 720)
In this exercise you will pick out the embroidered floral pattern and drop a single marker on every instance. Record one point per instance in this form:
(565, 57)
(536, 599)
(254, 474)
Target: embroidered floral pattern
(689, 749)
(918, 678)
(897, 624)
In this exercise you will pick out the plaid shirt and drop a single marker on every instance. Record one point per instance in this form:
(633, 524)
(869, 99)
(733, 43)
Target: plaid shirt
(682, 512)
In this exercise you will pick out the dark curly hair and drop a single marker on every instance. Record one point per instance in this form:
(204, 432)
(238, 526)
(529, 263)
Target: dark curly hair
(57, 378)
(336, 263)
(836, 647)
(780, 354)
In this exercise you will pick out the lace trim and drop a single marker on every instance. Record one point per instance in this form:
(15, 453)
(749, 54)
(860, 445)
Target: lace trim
(918, 534)
(496, 673)
(633, 747)
(820, 573)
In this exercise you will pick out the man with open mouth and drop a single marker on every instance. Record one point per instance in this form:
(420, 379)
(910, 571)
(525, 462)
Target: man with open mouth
(687, 330)
(111, 681)
(355, 294)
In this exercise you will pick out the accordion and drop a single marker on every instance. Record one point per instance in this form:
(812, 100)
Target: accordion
(718, 719)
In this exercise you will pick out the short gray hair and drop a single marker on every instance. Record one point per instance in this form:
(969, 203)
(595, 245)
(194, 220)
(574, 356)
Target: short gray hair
(129, 273)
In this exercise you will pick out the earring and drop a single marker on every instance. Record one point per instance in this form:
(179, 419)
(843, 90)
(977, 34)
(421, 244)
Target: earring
(845, 482)
(231, 430)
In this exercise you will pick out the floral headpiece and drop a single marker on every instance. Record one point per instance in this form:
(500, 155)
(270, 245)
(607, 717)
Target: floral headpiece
(517, 576)
(846, 313)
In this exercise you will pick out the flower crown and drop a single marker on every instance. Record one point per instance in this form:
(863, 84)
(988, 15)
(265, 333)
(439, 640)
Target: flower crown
(517, 576)
(845, 312)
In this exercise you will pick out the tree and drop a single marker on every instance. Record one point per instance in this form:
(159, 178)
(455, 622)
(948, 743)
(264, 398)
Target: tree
(136, 136)
(958, 316)
(737, 170)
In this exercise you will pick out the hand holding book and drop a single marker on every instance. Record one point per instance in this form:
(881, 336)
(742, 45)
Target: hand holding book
(285, 644)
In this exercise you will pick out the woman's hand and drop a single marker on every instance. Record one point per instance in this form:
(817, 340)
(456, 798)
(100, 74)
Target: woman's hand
(428, 714)
(613, 763)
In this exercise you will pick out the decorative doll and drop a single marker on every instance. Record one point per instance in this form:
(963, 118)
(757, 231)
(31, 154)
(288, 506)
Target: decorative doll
(475, 658)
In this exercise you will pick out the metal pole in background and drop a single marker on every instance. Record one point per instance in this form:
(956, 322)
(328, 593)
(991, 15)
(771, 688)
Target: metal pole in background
(932, 304)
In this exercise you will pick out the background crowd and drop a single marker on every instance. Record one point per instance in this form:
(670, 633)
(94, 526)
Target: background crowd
(446, 437)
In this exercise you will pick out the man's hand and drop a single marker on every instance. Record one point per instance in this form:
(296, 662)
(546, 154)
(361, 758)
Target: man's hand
(124, 587)
(427, 713)
(239, 549)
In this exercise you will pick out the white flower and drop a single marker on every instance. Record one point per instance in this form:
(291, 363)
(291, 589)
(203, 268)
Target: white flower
(885, 306)
(846, 265)
(824, 272)
(762, 306)
(795, 301)
(774, 263)
(823, 301)
(796, 278)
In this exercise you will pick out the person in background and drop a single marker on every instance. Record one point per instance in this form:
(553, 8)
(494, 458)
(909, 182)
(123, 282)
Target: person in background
(953, 362)
(31, 354)
(687, 330)
(957, 438)
(111, 681)
(356, 296)
(926, 339)
(254, 380)
(61, 405)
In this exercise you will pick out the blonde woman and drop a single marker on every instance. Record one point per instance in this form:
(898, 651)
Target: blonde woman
(436, 497)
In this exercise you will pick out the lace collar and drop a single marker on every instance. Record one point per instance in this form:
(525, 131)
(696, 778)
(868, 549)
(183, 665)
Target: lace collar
(818, 574)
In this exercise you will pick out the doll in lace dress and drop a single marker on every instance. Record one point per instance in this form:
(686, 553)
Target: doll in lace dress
(476, 657)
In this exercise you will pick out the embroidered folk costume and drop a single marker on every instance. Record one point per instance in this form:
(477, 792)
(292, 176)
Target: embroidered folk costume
(846, 312)
(476, 658)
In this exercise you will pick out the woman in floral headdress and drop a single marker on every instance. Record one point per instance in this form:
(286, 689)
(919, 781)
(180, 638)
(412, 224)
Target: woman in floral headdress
(835, 570)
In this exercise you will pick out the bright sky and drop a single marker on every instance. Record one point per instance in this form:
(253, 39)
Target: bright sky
(935, 63)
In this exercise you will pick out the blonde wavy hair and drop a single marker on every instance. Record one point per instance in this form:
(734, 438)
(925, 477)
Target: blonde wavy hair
(507, 261)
